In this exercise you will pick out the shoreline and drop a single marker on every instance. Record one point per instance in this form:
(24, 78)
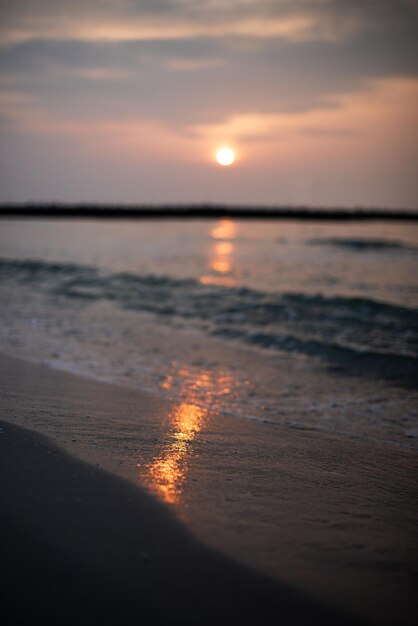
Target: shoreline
(331, 517)
(83, 546)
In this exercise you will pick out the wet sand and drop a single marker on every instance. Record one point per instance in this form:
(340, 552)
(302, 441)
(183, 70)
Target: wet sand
(81, 546)
(331, 517)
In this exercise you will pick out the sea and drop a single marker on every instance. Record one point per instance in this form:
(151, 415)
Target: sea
(297, 323)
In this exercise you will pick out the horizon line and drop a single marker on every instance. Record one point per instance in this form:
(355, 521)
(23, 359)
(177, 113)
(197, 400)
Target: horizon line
(113, 210)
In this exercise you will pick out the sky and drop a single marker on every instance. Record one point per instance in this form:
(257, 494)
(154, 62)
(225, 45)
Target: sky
(123, 101)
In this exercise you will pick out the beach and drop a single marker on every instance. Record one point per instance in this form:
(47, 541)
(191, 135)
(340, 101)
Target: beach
(336, 524)
(79, 544)
(252, 384)
(209, 313)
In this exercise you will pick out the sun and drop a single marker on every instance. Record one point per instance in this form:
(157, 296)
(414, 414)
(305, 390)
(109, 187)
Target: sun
(225, 156)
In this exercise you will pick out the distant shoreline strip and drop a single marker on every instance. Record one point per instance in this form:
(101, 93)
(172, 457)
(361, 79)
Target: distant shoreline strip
(57, 211)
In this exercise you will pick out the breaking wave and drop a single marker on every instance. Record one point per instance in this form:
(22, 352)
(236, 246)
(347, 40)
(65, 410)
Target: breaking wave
(363, 244)
(364, 335)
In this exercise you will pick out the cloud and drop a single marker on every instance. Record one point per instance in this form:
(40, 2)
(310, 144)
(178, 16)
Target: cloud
(202, 60)
(262, 72)
(124, 20)
(354, 119)
(196, 81)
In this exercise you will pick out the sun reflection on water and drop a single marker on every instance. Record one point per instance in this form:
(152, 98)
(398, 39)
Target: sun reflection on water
(225, 229)
(220, 261)
(168, 471)
(200, 393)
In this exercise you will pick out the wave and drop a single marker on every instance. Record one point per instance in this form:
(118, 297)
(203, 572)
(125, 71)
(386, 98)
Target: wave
(361, 362)
(363, 244)
(358, 333)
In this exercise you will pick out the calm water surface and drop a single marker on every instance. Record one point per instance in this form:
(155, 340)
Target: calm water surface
(375, 260)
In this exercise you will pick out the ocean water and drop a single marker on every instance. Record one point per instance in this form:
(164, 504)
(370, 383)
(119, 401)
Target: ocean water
(214, 310)
(277, 365)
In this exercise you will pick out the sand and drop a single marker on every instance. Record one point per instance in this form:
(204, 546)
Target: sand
(81, 546)
(325, 521)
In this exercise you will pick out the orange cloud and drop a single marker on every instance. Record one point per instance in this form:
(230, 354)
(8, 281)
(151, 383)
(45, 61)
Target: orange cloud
(378, 124)
(113, 28)
(358, 124)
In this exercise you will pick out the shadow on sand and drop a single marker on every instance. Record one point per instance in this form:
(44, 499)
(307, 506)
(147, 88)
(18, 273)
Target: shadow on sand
(81, 546)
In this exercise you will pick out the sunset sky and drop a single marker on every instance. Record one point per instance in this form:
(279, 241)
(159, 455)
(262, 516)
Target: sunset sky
(127, 101)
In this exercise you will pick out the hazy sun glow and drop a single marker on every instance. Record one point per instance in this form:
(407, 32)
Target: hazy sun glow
(225, 156)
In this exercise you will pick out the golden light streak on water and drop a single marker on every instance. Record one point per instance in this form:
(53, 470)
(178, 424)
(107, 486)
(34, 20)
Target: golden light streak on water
(167, 473)
(220, 261)
(225, 229)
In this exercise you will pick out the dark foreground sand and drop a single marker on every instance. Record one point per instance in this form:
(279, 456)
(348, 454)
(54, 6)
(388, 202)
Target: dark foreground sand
(80, 546)
(83, 546)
